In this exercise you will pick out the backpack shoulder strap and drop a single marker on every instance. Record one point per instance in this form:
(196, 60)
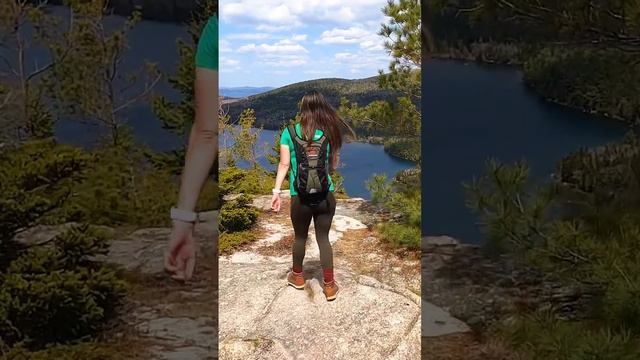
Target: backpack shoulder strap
(295, 137)
(292, 131)
(298, 143)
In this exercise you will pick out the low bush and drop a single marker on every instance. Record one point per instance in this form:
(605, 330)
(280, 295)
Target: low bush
(401, 197)
(238, 215)
(401, 235)
(58, 293)
(255, 181)
(543, 336)
(594, 245)
(230, 241)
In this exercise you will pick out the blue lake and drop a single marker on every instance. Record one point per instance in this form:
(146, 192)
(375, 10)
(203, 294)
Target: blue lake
(474, 112)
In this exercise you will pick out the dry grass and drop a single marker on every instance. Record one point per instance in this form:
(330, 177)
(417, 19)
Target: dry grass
(355, 250)
(279, 248)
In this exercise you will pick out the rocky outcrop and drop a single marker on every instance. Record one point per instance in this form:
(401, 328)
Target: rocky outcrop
(376, 315)
(167, 319)
(481, 290)
(160, 318)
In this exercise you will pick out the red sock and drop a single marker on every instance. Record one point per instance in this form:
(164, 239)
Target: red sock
(328, 275)
(297, 269)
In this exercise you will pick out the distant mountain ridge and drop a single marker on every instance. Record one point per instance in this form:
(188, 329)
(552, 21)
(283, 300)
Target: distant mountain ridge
(279, 105)
(243, 91)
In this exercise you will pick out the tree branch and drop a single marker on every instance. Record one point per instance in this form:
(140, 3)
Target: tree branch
(134, 99)
(6, 100)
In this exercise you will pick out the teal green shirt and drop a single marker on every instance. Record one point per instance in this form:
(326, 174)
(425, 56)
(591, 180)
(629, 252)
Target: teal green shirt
(285, 139)
(207, 51)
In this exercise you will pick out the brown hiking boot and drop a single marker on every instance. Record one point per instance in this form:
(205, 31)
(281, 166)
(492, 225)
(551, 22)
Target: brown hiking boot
(330, 290)
(295, 280)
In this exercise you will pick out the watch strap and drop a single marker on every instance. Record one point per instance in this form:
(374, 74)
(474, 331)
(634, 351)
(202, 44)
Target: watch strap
(184, 215)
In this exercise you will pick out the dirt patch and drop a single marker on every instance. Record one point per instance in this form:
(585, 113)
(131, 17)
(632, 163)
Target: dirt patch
(367, 254)
(279, 248)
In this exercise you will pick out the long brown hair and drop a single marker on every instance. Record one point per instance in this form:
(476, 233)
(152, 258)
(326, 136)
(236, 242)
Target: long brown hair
(317, 113)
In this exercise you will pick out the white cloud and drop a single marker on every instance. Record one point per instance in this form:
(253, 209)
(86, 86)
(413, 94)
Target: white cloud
(274, 28)
(248, 36)
(366, 39)
(277, 41)
(283, 53)
(299, 37)
(229, 65)
(285, 14)
(361, 61)
(229, 62)
(285, 46)
(285, 62)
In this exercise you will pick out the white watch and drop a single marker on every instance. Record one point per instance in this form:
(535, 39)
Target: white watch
(184, 215)
(276, 191)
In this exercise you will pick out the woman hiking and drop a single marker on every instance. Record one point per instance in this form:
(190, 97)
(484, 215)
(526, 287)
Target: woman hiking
(180, 256)
(310, 149)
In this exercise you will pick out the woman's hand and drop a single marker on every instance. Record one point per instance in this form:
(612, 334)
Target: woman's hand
(276, 202)
(180, 256)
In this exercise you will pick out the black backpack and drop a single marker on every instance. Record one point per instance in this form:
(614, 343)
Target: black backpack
(312, 178)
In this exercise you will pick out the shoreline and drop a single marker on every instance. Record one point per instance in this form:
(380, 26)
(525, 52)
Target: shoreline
(519, 66)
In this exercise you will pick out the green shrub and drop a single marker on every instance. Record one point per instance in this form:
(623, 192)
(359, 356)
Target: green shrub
(401, 235)
(402, 198)
(234, 180)
(121, 187)
(36, 178)
(543, 336)
(58, 293)
(231, 241)
(338, 183)
(238, 215)
(594, 245)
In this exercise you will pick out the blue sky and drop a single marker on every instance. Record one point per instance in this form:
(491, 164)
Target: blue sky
(280, 42)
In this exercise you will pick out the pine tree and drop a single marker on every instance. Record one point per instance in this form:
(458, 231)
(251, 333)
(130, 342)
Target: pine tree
(24, 109)
(89, 81)
(178, 117)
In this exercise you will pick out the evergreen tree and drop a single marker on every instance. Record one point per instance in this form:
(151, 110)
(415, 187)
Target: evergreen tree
(178, 116)
(24, 110)
(89, 82)
(400, 118)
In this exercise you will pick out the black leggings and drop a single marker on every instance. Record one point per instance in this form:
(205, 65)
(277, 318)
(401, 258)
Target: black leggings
(322, 215)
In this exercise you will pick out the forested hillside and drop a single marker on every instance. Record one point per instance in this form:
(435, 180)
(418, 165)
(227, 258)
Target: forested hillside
(275, 107)
(580, 53)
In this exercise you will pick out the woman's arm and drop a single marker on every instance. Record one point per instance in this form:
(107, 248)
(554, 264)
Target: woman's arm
(283, 166)
(203, 139)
